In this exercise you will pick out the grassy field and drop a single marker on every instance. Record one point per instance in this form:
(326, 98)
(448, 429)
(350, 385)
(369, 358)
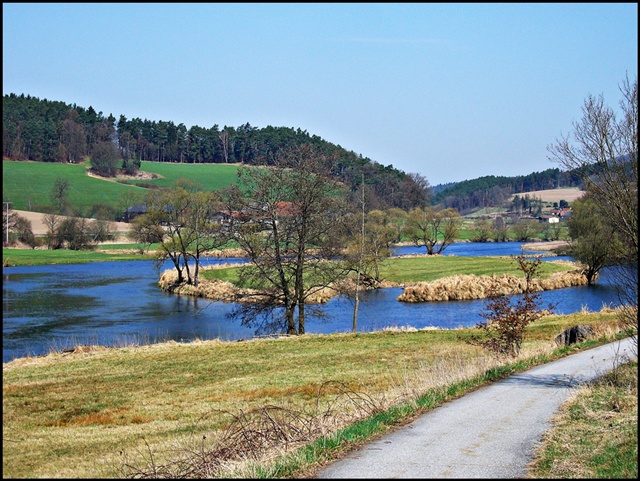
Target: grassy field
(103, 412)
(27, 185)
(161, 409)
(210, 176)
(400, 270)
(29, 257)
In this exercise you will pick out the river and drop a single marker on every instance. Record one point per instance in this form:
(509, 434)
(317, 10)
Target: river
(54, 307)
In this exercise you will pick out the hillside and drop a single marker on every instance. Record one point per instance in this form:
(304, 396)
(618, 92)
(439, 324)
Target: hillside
(28, 185)
(496, 191)
(58, 133)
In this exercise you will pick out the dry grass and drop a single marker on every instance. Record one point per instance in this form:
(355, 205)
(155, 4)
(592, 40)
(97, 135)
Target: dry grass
(554, 195)
(604, 417)
(86, 414)
(224, 291)
(467, 287)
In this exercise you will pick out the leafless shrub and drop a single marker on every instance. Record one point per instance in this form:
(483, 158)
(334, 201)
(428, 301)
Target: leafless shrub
(255, 434)
(503, 332)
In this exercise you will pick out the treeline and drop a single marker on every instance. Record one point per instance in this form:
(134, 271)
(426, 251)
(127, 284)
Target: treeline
(491, 190)
(53, 131)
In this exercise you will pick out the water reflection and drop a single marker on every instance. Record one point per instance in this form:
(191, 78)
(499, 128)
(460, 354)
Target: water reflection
(116, 303)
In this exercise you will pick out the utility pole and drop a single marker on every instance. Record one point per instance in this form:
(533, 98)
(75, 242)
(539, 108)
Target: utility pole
(7, 221)
(355, 308)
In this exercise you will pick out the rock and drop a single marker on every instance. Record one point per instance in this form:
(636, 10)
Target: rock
(574, 334)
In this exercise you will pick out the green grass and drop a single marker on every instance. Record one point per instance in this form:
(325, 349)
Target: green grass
(414, 269)
(28, 257)
(27, 185)
(210, 176)
(596, 434)
(81, 415)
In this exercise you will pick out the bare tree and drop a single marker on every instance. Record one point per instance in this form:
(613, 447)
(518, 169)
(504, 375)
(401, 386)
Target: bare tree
(224, 140)
(367, 244)
(287, 219)
(60, 196)
(481, 230)
(52, 223)
(184, 224)
(73, 139)
(603, 149)
(396, 219)
(500, 230)
(434, 229)
(526, 229)
(15, 226)
(9, 220)
(503, 331)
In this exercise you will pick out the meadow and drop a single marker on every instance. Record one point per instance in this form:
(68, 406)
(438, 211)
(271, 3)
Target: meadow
(28, 185)
(264, 408)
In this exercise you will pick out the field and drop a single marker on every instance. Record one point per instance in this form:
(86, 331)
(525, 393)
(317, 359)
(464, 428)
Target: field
(84, 414)
(210, 176)
(39, 227)
(554, 195)
(27, 185)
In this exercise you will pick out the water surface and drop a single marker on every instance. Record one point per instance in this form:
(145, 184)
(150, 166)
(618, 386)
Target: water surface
(55, 307)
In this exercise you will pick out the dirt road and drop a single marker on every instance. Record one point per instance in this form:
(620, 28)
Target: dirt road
(39, 228)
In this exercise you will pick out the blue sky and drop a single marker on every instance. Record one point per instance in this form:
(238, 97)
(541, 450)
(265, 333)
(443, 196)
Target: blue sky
(450, 91)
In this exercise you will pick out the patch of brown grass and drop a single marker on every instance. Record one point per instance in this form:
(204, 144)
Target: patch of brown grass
(107, 417)
(468, 287)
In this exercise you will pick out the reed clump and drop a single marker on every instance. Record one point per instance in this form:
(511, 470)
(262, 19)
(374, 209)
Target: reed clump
(224, 291)
(464, 287)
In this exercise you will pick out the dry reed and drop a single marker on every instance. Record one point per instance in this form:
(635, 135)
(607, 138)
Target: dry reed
(468, 287)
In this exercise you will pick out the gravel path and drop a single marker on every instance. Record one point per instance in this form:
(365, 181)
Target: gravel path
(489, 433)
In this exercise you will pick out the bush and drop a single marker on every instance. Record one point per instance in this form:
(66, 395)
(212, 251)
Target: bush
(503, 331)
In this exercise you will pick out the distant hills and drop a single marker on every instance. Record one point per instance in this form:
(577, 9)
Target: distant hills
(489, 191)
(54, 131)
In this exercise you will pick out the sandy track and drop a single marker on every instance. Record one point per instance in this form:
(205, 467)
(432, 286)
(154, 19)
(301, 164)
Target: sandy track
(39, 228)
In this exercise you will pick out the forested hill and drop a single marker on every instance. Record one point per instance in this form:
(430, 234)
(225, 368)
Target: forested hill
(54, 131)
(491, 190)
